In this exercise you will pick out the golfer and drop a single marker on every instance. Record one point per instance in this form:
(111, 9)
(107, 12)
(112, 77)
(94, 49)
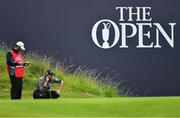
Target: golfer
(15, 68)
(44, 85)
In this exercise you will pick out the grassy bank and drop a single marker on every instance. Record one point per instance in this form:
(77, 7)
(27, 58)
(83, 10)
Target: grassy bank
(93, 107)
(80, 83)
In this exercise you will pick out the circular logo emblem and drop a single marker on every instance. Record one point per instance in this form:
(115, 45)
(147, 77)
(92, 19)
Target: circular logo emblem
(107, 24)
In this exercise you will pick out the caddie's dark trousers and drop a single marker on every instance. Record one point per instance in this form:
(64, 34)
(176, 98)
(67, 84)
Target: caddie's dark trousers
(16, 87)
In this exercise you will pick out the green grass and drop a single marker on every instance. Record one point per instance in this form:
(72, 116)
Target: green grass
(93, 107)
(83, 82)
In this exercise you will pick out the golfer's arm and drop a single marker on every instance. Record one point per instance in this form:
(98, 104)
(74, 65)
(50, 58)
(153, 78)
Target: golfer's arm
(45, 84)
(60, 85)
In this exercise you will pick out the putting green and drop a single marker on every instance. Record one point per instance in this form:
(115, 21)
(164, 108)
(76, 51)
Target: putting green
(93, 107)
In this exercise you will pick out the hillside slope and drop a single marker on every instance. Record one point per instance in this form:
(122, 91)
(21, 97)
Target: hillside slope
(80, 83)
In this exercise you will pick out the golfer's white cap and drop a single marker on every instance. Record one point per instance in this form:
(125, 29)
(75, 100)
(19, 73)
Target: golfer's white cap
(20, 44)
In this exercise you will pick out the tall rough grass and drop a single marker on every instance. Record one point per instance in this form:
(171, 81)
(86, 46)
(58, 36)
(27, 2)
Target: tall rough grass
(81, 82)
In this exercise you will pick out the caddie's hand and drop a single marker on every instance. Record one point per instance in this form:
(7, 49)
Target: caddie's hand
(26, 63)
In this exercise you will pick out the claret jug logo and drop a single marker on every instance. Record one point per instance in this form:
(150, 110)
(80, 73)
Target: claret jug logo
(107, 24)
(143, 19)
